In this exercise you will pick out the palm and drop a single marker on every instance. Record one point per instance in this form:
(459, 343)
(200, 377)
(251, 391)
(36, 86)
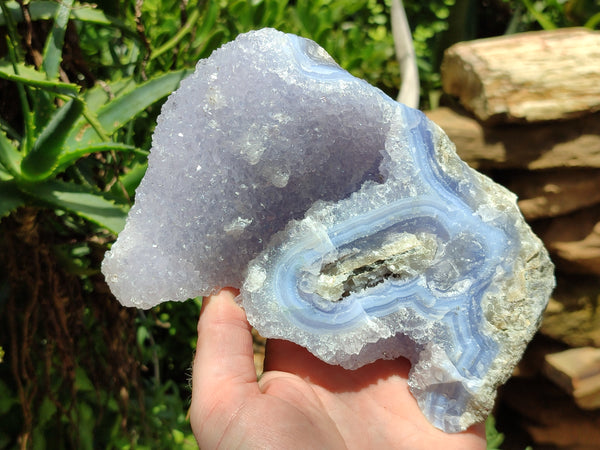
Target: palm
(300, 401)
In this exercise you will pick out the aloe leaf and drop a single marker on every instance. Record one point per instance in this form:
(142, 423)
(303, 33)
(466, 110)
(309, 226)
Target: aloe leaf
(31, 77)
(80, 200)
(54, 44)
(66, 159)
(43, 157)
(123, 108)
(4, 175)
(9, 130)
(99, 95)
(12, 40)
(131, 180)
(101, 147)
(126, 107)
(10, 198)
(10, 157)
(51, 60)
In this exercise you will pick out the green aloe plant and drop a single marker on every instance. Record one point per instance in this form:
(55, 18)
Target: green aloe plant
(61, 124)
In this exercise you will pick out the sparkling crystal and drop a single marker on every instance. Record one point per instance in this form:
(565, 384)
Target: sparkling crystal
(347, 220)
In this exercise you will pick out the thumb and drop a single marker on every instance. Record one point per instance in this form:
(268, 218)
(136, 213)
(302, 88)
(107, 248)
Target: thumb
(223, 374)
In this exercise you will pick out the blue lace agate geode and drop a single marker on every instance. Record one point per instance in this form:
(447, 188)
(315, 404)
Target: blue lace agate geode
(347, 220)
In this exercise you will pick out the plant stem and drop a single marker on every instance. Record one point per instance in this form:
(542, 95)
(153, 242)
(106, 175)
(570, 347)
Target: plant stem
(179, 36)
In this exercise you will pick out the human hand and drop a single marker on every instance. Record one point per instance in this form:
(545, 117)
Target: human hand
(300, 401)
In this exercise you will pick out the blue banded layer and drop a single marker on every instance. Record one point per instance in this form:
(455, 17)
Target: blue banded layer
(445, 298)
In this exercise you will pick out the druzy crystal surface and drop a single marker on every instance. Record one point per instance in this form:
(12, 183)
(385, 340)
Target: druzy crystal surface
(347, 220)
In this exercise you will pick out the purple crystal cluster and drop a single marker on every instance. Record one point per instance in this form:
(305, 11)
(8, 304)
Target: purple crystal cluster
(347, 220)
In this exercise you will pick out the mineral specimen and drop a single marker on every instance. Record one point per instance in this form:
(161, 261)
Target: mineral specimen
(347, 220)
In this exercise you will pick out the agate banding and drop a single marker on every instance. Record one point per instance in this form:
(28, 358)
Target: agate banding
(346, 219)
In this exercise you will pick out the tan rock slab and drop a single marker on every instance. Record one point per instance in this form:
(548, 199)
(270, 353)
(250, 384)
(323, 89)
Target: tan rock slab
(526, 77)
(585, 253)
(550, 416)
(573, 313)
(553, 193)
(577, 372)
(573, 143)
(573, 240)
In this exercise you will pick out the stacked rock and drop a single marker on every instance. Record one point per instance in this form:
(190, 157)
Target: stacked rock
(531, 121)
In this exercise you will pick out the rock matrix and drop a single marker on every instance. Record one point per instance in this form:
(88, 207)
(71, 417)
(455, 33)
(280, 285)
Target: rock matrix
(347, 220)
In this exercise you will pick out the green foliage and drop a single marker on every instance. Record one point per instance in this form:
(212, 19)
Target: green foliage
(70, 159)
(60, 126)
(357, 32)
(493, 436)
(430, 23)
(552, 14)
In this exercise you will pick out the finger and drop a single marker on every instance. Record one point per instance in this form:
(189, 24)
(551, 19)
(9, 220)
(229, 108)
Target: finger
(223, 372)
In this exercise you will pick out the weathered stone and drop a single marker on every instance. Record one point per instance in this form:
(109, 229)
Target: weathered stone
(553, 193)
(549, 415)
(577, 372)
(565, 144)
(574, 240)
(584, 254)
(536, 76)
(573, 313)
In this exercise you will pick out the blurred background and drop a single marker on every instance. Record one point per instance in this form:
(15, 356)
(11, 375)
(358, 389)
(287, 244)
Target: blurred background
(81, 86)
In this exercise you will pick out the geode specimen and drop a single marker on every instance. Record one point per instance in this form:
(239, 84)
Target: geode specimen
(347, 220)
